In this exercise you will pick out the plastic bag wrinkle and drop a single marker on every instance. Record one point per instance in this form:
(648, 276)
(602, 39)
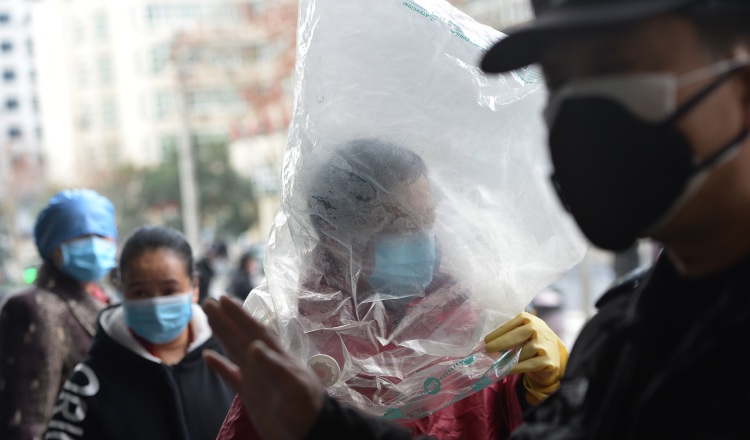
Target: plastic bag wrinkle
(400, 150)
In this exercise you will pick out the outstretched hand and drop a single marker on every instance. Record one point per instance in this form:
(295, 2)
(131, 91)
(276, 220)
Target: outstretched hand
(282, 397)
(543, 355)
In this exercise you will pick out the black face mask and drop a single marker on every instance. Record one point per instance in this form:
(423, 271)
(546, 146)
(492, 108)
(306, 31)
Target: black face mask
(620, 175)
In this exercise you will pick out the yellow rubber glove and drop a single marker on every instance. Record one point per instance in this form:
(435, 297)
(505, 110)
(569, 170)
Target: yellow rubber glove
(543, 355)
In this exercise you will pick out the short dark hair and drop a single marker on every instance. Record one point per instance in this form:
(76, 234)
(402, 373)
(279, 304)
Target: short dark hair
(218, 249)
(351, 190)
(245, 258)
(149, 237)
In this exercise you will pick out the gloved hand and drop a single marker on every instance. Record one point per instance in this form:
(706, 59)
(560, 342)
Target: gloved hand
(543, 355)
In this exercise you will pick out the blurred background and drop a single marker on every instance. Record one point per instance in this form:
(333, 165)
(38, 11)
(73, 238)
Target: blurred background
(177, 110)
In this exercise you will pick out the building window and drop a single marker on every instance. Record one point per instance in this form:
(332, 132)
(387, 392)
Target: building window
(9, 75)
(14, 132)
(165, 104)
(6, 46)
(105, 71)
(83, 74)
(187, 13)
(11, 104)
(85, 118)
(101, 28)
(159, 58)
(109, 115)
(206, 101)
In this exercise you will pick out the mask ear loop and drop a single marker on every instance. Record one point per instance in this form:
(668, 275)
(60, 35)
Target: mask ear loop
(721, 153)
(697, 98)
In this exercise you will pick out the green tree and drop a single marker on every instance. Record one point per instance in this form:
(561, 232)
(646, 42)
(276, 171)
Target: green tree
(226, 199)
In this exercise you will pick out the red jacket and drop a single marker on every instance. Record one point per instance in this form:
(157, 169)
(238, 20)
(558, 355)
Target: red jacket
(490, 414)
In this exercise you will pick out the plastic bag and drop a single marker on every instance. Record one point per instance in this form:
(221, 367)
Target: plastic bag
(416, 212)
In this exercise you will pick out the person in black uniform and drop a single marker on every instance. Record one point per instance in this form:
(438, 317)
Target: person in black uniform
(246, 276)
(214, 262)
(648, 117)
(144, 376)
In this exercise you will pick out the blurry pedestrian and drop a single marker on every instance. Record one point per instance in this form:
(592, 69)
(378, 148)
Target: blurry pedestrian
(214, 262)
(245, 277)
(144, 377)
(46, 329)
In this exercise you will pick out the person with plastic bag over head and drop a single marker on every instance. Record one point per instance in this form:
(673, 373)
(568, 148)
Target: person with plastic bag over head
(389, 279)
(374, 274)
(144, 377)
(45, 330)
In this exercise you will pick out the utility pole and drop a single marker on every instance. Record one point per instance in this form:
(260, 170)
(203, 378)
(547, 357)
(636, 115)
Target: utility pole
(186, 168)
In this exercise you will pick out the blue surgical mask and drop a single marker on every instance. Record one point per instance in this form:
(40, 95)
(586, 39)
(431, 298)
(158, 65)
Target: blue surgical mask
(88, 259)
(404, 264)
(160, 319)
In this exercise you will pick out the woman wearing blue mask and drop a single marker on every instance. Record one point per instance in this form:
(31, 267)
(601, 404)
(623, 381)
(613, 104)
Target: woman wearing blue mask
(45, 330)
(144, 376)
(376, 309)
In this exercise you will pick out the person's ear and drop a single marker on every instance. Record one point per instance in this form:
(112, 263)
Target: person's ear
(56, 256)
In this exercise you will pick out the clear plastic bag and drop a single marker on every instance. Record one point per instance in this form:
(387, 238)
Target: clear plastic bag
(416, 212)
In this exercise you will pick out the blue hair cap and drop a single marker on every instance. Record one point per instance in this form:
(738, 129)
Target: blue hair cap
(73, 213)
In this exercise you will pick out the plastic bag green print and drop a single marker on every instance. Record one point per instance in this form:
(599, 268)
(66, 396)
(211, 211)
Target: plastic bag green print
(434, 385)
(454, 28)
(528, 75)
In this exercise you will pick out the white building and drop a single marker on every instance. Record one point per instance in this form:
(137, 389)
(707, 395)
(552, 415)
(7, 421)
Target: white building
(21, 167)
(110, 90)
(20, 131)
(19, 126)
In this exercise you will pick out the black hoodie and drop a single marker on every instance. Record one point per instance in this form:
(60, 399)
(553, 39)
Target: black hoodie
(121, 391)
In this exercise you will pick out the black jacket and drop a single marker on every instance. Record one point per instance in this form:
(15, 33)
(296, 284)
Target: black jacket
(122, 392)
(662, 359)
(205, 275)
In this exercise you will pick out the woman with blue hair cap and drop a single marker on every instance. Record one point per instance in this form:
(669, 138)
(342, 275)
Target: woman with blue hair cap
(46, 330)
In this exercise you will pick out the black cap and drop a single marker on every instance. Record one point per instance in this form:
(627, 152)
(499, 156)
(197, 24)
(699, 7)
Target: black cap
(526, 42)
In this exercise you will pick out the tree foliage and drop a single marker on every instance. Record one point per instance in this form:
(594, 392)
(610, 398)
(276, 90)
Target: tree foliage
(227, 205)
